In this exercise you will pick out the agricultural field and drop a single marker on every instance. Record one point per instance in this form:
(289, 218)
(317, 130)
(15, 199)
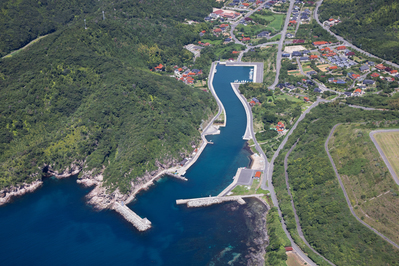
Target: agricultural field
(389, 143)
(323, 67)
(296, 73)
(306, 67)
(366, 178)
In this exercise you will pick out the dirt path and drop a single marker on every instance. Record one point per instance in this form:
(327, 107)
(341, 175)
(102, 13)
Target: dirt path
(26, 46)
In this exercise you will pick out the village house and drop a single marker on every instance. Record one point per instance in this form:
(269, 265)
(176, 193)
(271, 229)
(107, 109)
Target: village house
(358, 92)
(364, 68)
(159, 67)
(375, 75)
(280, 127)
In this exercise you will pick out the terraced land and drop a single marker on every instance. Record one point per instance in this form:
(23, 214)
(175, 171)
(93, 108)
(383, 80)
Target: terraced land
(389, 143)
(366, 178)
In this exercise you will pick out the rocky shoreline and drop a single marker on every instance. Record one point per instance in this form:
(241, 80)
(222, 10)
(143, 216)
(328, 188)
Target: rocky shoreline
(98, 197)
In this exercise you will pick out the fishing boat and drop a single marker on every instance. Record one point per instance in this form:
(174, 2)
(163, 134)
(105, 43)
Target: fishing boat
(251, 74)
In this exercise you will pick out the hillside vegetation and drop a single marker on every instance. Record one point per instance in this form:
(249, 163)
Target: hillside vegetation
(367, 180)
(320, 204)
(369, 24)
(87, 96)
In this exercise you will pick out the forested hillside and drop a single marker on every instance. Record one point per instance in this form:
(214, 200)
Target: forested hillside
(369, 24)
(86, 96)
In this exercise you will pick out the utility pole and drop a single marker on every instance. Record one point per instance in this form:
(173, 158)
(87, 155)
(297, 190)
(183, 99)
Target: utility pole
(103, 15)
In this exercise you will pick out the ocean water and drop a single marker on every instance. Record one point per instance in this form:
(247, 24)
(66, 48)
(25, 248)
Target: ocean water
(54, 226)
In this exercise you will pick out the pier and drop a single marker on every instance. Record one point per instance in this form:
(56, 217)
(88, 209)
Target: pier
(142, 224)
(207, 201)
(176, 176)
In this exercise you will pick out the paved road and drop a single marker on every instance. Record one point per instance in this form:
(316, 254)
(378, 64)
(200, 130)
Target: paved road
(280, 45)
(298, 225)
(346, 195)
(394, 176)
(268, 185)
(345, 42)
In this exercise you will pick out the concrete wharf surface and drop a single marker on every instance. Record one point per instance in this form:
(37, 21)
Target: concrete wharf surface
(142, 224)
(207, 201)
(176, 176)
(258, 69)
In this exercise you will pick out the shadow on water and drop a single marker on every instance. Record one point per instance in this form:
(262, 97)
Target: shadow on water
(54, 226)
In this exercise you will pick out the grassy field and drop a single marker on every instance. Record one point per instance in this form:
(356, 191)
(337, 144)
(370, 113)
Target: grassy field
(389, 143)
(246, 190)
(277, 23)
(289, 97)
(215, 42)
(366, 178)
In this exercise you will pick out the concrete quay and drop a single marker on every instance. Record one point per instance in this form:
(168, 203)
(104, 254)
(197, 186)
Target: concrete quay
(176, 176)
(207, 201)
(142, 224)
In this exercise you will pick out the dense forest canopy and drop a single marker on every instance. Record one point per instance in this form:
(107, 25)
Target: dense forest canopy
(87, 96)
(369, 24)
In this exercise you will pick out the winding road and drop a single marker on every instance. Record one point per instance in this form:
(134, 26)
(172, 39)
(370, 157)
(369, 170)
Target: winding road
(346, 195)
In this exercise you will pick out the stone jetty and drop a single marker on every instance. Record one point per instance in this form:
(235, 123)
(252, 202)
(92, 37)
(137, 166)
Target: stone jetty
(176, 176)
(141, 224)
(207, 201)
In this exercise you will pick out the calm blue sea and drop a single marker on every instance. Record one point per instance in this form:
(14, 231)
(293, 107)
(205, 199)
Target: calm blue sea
(54, 226)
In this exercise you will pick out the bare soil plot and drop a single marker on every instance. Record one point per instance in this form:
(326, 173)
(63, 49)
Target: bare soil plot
(294, 260)
(294, 73)
(323, 67)
(369, 185)
(389, 143)
(290, 49)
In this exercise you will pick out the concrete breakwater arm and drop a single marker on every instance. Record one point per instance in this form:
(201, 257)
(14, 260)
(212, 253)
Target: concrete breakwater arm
(142, 224)
(207, 201)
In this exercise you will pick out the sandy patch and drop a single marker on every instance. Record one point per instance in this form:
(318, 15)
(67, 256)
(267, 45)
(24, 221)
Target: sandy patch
(257, 162)
(290, 49)
(294, 260)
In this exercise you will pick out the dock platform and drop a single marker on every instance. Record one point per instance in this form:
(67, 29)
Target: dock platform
(176, 176)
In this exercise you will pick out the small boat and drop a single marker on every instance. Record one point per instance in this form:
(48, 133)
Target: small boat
(251, 74)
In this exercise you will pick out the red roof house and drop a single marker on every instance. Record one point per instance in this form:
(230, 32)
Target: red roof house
(341, 48)
(380, 67)
(159, 67)
(246, 39)
(375, 75)
(320, 43)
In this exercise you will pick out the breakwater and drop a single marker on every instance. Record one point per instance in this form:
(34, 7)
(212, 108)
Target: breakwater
(141, 224)
(207, 201)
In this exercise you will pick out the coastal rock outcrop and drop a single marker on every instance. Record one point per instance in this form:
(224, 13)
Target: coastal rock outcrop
(7, 194)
